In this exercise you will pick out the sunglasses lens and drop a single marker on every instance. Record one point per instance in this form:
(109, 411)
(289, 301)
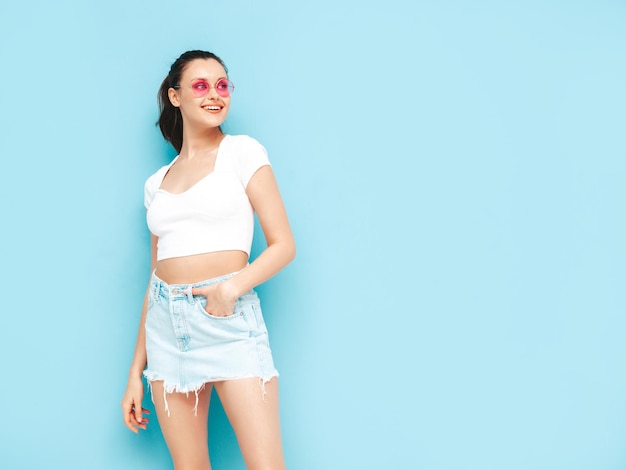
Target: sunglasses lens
(200, 88)
(223, 88)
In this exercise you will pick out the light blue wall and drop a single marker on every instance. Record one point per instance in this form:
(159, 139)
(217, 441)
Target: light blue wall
(454, 173)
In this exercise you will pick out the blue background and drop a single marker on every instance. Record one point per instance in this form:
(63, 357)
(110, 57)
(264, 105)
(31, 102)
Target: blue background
(454, 173)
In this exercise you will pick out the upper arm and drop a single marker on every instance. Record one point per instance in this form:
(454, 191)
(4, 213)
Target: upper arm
(264, 195)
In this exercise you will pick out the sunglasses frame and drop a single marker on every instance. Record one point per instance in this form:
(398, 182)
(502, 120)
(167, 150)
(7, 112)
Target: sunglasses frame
(229, 90)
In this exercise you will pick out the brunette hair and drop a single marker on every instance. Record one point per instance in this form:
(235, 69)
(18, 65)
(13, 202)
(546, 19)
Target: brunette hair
(170, 120)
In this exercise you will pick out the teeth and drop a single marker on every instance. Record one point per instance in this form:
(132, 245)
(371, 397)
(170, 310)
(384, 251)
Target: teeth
(212, 108)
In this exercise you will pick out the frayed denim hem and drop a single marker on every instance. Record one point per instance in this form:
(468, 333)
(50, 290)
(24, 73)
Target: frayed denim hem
(169, 387)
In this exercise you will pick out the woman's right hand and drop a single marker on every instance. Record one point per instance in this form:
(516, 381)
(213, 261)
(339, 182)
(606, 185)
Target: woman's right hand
(132, 410)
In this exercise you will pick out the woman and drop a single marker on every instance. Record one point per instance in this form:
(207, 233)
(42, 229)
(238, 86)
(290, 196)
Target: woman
(201, 324)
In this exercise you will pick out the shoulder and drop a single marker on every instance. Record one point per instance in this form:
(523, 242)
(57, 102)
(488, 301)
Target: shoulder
(244, 144)
(246, 155)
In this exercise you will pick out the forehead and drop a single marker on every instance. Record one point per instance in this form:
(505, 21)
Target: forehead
(210, 69)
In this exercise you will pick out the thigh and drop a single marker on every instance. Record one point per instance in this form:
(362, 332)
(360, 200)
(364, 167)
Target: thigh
(252, 410)
(184, 426)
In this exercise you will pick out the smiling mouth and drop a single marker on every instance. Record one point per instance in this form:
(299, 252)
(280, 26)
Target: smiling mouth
(212, 108)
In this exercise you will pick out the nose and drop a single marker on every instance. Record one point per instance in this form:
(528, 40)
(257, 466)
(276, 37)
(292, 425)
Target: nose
(212, 93)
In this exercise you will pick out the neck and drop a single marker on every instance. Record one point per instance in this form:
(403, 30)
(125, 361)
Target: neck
(199, 143)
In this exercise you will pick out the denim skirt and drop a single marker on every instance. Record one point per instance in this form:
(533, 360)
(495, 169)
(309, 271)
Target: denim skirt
(187, 347)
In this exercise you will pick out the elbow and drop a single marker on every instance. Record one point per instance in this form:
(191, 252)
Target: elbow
(284, 250)
(290, 251)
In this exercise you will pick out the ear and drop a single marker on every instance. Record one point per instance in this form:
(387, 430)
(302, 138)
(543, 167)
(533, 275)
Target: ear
(173, 96)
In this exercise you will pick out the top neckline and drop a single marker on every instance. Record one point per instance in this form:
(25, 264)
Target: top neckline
(167, 169)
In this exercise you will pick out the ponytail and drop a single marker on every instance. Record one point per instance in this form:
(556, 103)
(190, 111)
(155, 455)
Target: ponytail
(170, 120)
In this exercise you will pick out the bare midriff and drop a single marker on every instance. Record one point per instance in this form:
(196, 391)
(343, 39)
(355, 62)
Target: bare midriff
(196, 268)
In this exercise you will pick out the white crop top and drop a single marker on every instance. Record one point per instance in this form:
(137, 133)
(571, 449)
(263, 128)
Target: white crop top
(215, 214)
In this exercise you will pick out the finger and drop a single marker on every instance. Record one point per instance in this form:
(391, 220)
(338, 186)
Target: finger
(131, 415)
(138, 412)
(135, 424)
(132, 426)
(126, 413)
(197, 291)
(144, 419)
(129, 421)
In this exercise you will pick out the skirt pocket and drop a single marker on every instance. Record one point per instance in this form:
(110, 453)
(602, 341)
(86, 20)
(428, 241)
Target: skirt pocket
(234, 325)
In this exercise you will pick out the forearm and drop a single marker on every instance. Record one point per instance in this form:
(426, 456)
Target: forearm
(139, 361)
(274, 258)
(265, 197)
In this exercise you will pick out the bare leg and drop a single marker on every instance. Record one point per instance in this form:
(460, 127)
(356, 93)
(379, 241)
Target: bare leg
(185, 430)
(255, 420)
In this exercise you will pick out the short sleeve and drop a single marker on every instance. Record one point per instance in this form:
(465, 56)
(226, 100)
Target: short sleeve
(252, 156)
(148, 192)
(152, 184)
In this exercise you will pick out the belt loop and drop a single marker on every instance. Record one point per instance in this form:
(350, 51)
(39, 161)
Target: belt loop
(189, 294)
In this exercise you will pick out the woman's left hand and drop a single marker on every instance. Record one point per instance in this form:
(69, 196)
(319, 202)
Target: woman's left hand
(220, 298)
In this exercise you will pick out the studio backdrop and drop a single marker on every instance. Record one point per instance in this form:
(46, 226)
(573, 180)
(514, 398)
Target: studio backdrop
(454, 175)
